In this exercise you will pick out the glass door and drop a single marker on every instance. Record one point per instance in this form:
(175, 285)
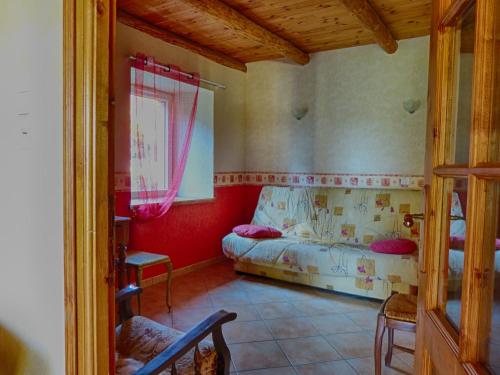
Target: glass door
(458, 325)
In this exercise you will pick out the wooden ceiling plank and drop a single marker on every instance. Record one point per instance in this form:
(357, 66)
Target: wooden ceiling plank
(179, 41)
(369, 17)
(238, 22)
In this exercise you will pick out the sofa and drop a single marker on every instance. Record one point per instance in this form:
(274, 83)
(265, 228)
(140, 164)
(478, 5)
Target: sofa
(326, 238)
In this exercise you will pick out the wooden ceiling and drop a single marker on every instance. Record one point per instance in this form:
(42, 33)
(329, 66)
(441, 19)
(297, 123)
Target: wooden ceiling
(243, 31)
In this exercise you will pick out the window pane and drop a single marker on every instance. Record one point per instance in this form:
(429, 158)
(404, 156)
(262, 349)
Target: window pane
(464, 86)
(494, 134)
(451, 283)
(148, 164)
(492, 234)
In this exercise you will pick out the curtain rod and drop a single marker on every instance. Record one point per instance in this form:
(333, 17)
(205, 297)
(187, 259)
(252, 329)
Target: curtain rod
(211, 83)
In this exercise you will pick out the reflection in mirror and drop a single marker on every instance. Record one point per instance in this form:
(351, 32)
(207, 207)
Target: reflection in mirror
(452, 284)
(464, 95)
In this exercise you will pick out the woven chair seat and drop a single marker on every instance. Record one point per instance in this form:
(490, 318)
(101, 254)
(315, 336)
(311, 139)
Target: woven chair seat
(402, 307)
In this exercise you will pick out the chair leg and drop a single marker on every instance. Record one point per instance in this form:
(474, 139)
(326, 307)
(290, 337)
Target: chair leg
(129, 276)
(169, 286)
(379, 336)
(138, 275)
(388, 356)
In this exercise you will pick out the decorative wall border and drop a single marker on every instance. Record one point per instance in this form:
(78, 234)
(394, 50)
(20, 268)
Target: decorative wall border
(340, 180)
(381, 181)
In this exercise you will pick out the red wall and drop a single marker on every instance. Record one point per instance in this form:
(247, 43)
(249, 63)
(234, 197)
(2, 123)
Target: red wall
(191, 233)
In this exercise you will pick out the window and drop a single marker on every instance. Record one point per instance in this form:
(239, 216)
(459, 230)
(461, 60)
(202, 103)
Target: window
(197, 182)
(155, 161)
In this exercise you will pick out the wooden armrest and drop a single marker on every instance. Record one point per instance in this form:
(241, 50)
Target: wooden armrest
(127, 293)
(185, 343)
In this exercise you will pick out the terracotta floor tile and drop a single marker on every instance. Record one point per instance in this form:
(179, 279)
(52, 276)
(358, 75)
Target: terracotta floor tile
(308, 350)
(293, 315)
(257, 355)
(298, 294)
(334, 323)
(366, 366)
(326, 368)
(230, 287)
(271, 371)
(407, 358)
(191, 300)
(317, 306)
(366, 320)
(184, 319)
(288, 328)
(266, 297)
(273, 310)
(245, 312)
(404, 339)
(229, 298)
(352, 345)
(238, 332)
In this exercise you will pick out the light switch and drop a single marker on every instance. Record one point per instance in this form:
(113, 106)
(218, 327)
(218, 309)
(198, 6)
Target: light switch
(23, 129)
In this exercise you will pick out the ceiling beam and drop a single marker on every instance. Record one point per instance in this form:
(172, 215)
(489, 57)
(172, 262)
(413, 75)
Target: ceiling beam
(179, 41)
(369, 17)
(239, 23)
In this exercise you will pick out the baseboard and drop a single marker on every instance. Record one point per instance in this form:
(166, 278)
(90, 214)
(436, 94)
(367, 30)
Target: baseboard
(161, 278)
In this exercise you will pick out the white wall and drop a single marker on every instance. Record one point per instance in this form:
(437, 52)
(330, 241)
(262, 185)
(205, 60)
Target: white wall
(229, 110)
(356, 122)
(31, 225)
(198, 179)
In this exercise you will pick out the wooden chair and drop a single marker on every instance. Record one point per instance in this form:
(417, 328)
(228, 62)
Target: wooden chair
(398, 312)
(145, 347)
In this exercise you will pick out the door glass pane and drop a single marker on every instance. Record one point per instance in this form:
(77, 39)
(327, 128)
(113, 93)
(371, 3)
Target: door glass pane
(492, 234)
(494, 141)
(451, 283)
(464, 86)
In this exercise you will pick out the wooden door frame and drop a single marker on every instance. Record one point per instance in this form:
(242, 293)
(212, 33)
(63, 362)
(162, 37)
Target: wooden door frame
(87, 27)
(435, 336)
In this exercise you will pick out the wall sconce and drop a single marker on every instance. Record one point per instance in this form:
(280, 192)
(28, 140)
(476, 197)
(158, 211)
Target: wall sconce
(408, 220)
(299, 113)
(411, 105)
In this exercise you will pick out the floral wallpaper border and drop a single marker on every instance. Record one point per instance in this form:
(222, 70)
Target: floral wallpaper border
(383, 181)
(378, 181)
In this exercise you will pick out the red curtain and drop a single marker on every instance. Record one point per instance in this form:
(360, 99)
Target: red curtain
(163, 111)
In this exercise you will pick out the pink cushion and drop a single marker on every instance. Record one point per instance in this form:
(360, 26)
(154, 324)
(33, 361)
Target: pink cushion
(458, 242)
(395, 246)
(256, 231)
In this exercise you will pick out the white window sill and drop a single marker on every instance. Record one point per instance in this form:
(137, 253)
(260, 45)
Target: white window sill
(177, 201)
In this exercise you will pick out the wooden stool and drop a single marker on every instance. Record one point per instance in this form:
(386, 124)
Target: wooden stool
(399, 312)
(138, 260)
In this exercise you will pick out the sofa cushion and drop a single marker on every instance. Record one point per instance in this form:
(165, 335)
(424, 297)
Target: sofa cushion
(256, 231)
(394, 246)
(139, 340)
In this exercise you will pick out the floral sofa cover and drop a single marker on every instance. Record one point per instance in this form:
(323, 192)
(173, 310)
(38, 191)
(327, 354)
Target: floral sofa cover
(326, 236)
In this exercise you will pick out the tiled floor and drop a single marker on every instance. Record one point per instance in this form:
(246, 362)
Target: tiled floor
(281, 329)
